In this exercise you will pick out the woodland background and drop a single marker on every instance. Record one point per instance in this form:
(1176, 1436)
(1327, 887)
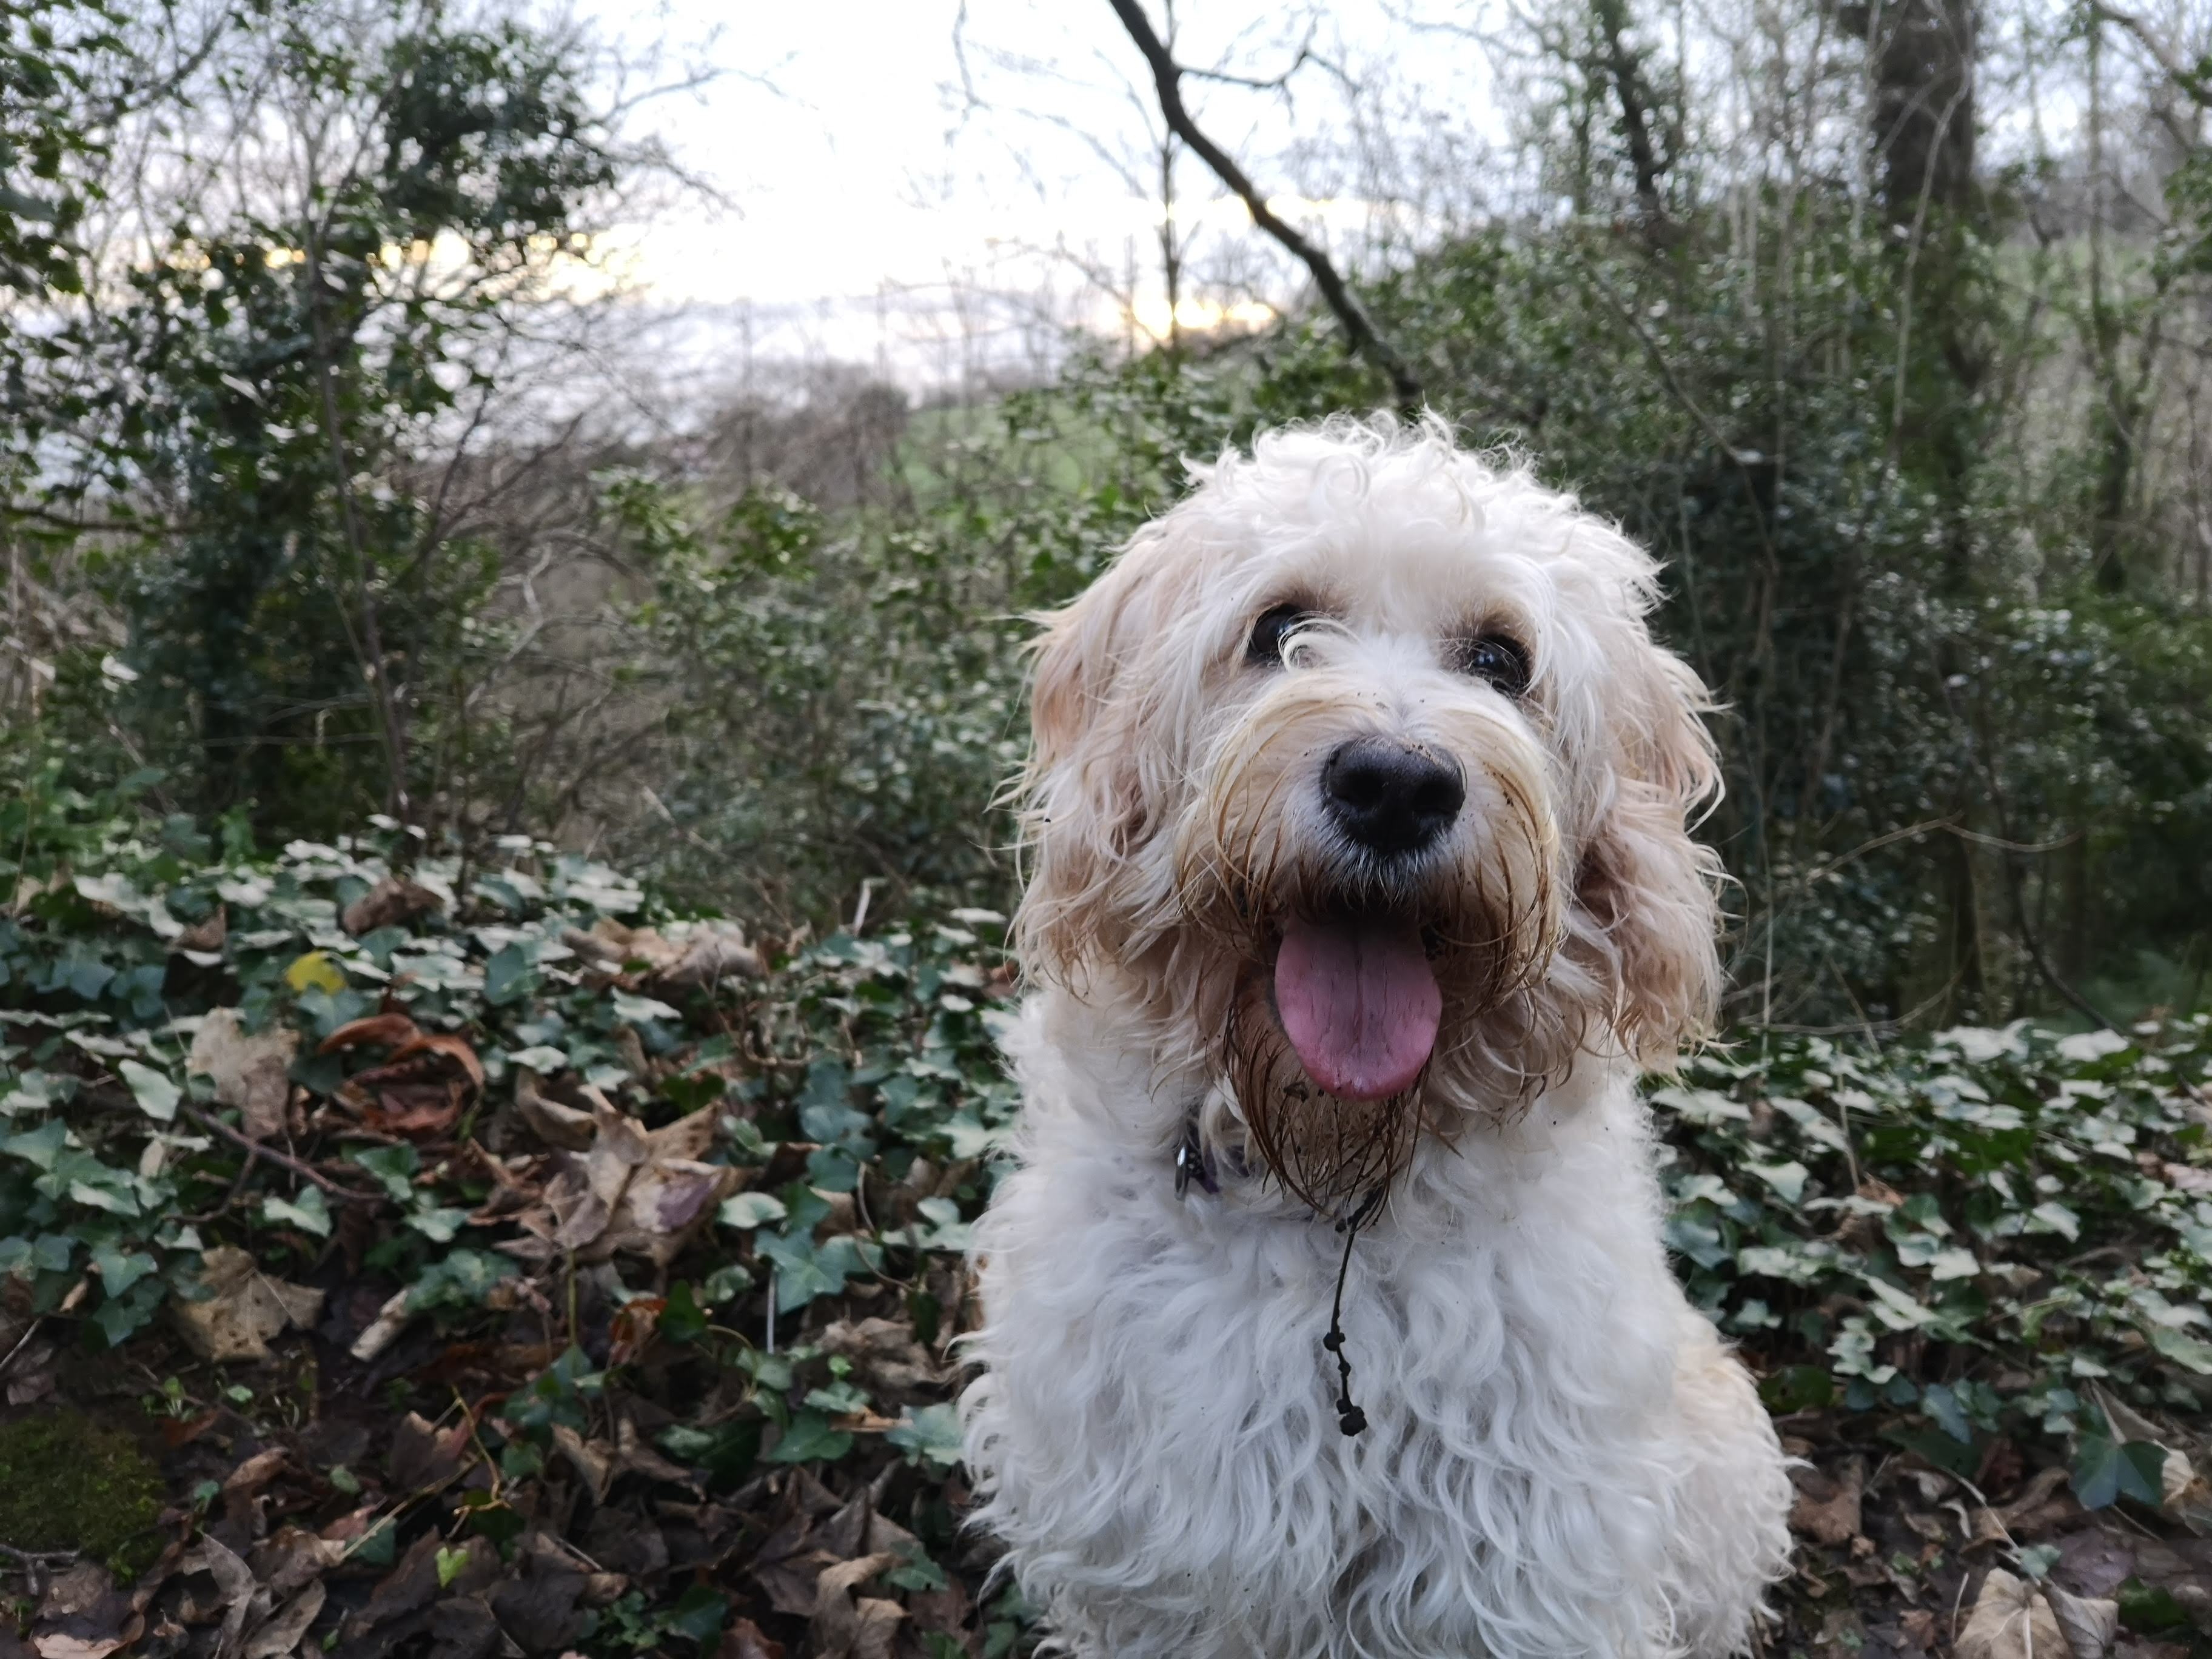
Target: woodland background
(582, 790)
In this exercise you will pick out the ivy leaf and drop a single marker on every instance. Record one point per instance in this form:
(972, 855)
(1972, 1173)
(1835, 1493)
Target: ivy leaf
(2192, 1352)
(806, 1270)
(698, 1615)
(930, 1436)
(308, 1212)
(393, 1167)
(2104, 1469)
(119, 1270)
(748, 1209)
(810, 1439)
(156, 1095)
(508, 975)
(1787, 1180)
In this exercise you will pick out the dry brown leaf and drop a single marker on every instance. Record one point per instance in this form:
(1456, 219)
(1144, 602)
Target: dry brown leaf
(205, 937)
(691, 954)
(1826, 1508)
(443, 1045)
(392, 903)
(250, 1073)
(294, 1558)
(423, 1456)
(387, 1031)
(743, 1640)
(717, 951)
(78, 1589)
(281, 1633)
(245, 1308)
(843, 1628)
(2090, 1627)
(553, 1122)
(235, 1579)
(884, 1355)
(2009, 1621)
(635, 1192)
(2015, 1620)
(74, 1647)
(592, 1464)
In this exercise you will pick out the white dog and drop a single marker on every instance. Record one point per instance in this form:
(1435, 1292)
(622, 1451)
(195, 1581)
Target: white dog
(1361, 888)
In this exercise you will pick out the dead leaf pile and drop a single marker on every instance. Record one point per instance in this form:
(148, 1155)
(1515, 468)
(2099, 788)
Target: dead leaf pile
(630, 1190)
(424, 1084)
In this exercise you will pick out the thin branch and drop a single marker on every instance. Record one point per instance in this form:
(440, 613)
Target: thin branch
(1360, 332)
(255, 1149)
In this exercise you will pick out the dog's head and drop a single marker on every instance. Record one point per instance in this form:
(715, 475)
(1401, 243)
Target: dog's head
(1361, 771)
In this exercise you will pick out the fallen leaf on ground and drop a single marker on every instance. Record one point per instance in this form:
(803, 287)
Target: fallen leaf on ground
(844, 1626)
(2015, 1620)
(245, 1308)
(1826, 1508)
(636, 1191)
(743, 1640)
(250, 1073)
(392, 903)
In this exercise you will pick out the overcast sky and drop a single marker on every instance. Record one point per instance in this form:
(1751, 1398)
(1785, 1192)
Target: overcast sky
(866, 184)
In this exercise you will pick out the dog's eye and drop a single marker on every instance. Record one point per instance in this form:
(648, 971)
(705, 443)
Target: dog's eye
(1494, 657)
(1273, 628)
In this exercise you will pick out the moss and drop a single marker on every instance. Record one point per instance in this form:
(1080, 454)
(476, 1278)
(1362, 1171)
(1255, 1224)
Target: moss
(67, 1483)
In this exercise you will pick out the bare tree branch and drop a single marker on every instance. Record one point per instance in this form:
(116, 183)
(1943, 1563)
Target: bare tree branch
(1360, 332)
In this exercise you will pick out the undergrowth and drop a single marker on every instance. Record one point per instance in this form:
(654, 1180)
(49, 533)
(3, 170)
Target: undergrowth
(489, 1243)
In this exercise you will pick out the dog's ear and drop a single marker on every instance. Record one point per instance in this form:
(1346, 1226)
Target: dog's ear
(1084, 808)
(1649, 892)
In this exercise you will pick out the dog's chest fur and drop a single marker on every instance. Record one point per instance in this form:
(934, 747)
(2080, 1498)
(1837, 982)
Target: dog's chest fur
(1155, 1432)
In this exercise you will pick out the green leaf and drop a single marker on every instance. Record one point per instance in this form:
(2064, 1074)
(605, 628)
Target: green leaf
(463, 1280)
(119, 1271)
(810, 1439)
(2105, 1470)
(748, 1209)
(1787, 1180)
(639, 1010)
(930, 1436)
(38, 1148)
(698, 1615)
(2192, 1352)
(508, 975)
(156, 1095)
(393, 1167)
(451, 1563)
(682, 1318)
(308, 1212)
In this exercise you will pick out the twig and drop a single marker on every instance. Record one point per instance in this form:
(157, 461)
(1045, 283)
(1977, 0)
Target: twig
(1360, 329)
(256, 1149)
(29, 1331)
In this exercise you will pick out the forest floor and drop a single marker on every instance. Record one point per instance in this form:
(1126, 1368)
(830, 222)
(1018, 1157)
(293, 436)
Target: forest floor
(480, 1262)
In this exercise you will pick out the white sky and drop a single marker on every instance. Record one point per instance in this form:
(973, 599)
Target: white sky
(864, 188)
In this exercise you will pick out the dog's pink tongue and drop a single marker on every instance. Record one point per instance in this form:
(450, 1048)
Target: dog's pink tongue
(1359, 1003)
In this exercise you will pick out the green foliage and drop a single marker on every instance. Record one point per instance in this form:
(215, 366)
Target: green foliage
(1960, 1239)
(54, 57)
(267, 397)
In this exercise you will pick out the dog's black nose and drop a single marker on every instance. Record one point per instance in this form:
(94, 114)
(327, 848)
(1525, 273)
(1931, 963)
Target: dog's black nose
(1389, 798)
